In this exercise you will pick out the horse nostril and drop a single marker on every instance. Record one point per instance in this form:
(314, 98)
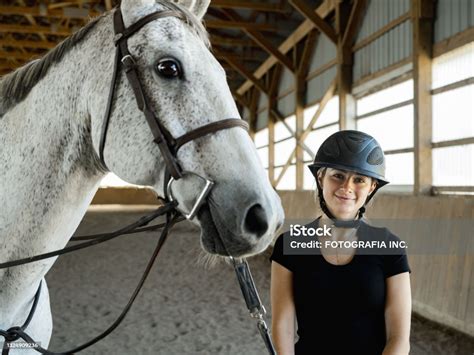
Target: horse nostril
(256, 220)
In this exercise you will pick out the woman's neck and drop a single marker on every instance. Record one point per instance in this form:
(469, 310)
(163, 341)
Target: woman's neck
(336, 233)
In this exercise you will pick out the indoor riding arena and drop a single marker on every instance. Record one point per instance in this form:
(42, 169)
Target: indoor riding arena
(99, 143)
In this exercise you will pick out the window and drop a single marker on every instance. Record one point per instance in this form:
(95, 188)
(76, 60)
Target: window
(288, 181)
(453, 114)
(263, 154)
(393, 129)
(384, 98)
(453, 166)
(282, 132)
(261, 138)
(387, 115)
(285, 143)
(400, 169)
(453, 66)
(317, 137)
(261, 142)
(329, 115)
(453, 118)
(327, 124)
(283, 151)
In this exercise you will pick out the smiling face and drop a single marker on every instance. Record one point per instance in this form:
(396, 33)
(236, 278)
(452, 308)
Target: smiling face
(345, 192)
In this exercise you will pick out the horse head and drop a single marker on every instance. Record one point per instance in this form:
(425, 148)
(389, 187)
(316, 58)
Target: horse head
(186, 89)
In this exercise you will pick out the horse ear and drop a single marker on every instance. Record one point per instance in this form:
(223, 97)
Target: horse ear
(197, 7)
(130, 9)
(130, 4)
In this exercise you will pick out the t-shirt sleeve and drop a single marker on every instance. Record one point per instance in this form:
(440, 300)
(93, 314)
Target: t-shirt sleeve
(397, 262)
(279, 256)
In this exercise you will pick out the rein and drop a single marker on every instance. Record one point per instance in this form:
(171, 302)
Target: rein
(174, 214)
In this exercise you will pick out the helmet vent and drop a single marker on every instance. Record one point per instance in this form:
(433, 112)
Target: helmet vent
(357, 139)
(331, 148)
(375, 157)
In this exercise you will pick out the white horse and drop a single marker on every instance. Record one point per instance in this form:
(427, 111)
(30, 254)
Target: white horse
(51, 114)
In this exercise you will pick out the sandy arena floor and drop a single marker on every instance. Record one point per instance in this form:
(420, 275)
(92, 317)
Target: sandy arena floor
(183, 308)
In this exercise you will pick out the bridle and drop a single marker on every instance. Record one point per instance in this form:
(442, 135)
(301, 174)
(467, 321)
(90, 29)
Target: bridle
(169, 147)
(167, 144)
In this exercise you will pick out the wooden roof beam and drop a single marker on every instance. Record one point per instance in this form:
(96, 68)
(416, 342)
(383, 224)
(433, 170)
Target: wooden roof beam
(221, 40)
(71, 12)
(266, 45)
(49, 30)
(240, 99)
(240, 68)
(108, 5)
(302, 7)
(19, 55)
(245, 4)
(26, 44)
(326, 7)
(355, 20)
(7, 67)
(221, 54)
(241, 25)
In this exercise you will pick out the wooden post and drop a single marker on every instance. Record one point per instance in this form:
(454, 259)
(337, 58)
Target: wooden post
(276, 75)
(300, 83)
(253, 112)
(344, 68)
(422, 12)
(304, 61)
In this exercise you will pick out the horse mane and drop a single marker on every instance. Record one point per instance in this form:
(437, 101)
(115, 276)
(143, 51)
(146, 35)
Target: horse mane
(15, 86)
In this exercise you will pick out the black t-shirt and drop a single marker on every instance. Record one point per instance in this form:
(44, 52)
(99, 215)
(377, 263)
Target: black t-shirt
(340, 309)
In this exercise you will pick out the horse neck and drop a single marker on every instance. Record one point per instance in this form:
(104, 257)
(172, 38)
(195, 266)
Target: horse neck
(51, 171)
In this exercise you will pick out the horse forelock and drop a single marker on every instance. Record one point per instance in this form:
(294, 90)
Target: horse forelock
(15, 86)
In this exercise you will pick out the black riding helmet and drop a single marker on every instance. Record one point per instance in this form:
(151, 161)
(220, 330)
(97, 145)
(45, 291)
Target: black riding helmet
(353, 151)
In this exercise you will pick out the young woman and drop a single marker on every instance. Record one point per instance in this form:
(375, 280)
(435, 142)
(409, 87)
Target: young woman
(345, 301)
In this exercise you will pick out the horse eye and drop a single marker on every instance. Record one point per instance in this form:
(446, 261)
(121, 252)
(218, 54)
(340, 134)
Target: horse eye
(168, 68)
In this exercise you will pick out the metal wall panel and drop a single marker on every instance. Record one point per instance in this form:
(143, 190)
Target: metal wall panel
(388, 49)
(287, 105)
(262, 120)
(318, 85)
(262, 102)
(246, 114)
(287, 81)
(381, 12)
(324, 52)
(452, 17)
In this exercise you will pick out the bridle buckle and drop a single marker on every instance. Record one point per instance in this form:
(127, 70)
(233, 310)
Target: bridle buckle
(128, 62)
